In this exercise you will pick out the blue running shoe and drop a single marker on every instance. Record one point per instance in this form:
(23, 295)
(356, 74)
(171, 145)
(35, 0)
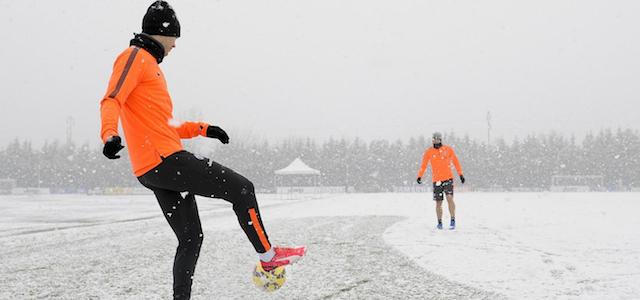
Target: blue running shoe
(439, 226)
(452, 225)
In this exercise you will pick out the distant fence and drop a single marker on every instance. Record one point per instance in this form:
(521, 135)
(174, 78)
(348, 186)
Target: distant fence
(119, 191)
(7, 185)
(577, 183)
(30, 191)
(311, 189)
(308, 190)
(412, 189)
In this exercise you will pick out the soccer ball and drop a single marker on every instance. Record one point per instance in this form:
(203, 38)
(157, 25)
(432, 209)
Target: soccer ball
(268, 281)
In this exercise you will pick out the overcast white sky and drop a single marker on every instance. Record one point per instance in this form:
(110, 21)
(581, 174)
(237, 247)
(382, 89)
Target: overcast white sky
(334, 68)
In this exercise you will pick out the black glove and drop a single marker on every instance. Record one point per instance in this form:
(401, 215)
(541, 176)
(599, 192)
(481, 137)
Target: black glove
(419, 180)
(112, 147)
(217, 133)
(462, 179)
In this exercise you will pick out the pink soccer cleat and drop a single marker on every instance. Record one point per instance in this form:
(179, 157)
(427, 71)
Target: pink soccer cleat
(283, 256)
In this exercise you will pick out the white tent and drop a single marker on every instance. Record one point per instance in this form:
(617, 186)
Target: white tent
(297, 167)
(297, 177)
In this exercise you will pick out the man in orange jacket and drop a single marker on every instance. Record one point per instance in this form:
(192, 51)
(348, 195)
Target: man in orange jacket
(441, 156)
(137, 96)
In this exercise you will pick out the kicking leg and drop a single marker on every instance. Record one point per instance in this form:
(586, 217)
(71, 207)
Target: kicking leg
(182, 171)
(226, 184)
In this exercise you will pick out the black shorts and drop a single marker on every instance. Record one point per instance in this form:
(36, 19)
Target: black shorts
(442, 187)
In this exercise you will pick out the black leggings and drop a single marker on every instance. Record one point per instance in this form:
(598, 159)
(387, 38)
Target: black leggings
(184, 172)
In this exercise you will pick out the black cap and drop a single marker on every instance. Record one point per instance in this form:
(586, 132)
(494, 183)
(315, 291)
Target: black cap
(161, 19)
(437, 136)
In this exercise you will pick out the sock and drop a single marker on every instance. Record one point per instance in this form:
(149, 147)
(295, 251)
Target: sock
(439, 221)
(267, 256)
(453, 218)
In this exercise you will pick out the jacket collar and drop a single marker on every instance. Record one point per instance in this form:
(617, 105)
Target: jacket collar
(148, 43)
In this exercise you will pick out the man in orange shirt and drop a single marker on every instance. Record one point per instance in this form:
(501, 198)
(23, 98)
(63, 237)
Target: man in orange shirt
(441, 156)
(138, 97)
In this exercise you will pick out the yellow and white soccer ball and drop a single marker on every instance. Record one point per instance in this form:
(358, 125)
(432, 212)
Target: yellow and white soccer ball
(268, 281)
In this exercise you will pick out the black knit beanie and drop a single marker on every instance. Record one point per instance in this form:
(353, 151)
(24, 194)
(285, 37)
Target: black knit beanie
(160, 19)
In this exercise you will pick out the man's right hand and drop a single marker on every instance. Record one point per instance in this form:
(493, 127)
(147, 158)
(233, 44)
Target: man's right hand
(419, 180)
(112, 147)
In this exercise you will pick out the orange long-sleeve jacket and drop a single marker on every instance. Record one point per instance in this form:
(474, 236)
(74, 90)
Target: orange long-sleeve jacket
(441, 160)
(138, 96)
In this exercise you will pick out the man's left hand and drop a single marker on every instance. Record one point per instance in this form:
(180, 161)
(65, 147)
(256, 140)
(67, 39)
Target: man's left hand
(462, 179)
(217, 133)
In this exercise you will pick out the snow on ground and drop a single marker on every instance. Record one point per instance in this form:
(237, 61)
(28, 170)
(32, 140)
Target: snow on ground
(361, 246)
(535, 246)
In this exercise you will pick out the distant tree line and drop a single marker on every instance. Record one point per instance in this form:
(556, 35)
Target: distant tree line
(376, 166)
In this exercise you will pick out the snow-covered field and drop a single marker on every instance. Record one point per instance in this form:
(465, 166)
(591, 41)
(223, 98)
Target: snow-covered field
(361, 246)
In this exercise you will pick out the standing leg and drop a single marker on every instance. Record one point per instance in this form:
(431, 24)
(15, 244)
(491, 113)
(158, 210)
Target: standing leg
(448, 190)
(182, 215)
(438, 196)
(452, 206)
